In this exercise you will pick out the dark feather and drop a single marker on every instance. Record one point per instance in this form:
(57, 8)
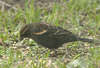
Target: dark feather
(50, 36)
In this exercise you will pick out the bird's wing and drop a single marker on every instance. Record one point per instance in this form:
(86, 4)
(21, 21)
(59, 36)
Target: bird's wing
(61, 31)
(58, 31)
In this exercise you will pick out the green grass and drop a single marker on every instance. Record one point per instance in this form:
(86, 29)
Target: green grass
(82, 17)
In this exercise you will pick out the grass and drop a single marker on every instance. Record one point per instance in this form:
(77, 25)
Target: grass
(79, 16)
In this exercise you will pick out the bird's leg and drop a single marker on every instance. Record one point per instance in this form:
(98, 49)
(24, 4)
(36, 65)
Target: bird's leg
(53, 52)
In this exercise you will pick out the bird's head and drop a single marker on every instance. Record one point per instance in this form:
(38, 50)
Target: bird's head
(33, 29)
(25, 31)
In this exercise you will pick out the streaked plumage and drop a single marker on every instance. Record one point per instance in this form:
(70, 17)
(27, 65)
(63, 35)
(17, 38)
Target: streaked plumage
(48, 35)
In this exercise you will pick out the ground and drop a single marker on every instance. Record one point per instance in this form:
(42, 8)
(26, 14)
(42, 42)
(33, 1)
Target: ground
(79, 17)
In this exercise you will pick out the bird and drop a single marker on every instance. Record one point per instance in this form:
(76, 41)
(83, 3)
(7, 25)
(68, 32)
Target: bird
(48, 35)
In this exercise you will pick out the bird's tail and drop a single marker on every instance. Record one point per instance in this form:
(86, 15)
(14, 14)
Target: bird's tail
(89, 40)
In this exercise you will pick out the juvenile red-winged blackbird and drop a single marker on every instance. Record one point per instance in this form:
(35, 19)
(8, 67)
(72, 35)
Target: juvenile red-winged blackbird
(48, 35)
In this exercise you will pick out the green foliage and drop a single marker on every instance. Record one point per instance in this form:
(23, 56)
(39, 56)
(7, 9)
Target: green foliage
(79, 16)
